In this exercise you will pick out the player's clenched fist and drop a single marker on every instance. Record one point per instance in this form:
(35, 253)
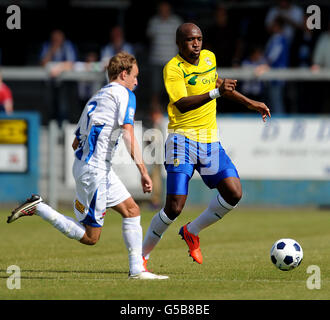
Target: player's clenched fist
(227, 85)
(146, 183)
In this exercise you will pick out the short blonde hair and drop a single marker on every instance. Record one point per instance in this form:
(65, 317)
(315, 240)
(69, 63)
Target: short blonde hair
(120, 62)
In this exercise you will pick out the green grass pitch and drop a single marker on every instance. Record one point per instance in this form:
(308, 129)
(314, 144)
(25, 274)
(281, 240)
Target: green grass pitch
(236, 259)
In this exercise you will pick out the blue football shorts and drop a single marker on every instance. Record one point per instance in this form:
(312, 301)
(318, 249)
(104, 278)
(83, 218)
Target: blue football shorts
(183, 156)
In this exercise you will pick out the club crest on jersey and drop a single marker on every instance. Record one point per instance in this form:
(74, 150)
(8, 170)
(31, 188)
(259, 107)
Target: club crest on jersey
(208, 61)
(176, 162)
(131, 113)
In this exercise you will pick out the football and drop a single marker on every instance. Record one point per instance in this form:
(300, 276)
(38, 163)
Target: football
(286, 254)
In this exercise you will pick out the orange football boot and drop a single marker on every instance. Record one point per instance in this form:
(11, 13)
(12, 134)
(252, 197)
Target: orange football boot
(145, 261)
(193, 244)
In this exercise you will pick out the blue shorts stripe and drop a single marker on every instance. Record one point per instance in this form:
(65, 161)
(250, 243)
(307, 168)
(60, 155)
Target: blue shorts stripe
(79, 153)
(90, 217)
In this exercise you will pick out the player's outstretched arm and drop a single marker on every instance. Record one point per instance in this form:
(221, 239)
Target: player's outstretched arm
(240, 98)
(135, 153)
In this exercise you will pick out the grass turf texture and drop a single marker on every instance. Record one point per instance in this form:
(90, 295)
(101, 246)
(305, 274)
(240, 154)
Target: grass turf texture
(236, 259)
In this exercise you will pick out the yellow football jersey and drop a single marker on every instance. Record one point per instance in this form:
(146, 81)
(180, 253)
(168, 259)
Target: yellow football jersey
(183, 79)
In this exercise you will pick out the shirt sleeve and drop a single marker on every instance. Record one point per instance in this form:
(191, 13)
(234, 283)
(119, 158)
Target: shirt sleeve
(174, 83)
(127, 109)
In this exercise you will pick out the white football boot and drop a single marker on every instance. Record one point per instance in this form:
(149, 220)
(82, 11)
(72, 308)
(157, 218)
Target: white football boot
(146, 275)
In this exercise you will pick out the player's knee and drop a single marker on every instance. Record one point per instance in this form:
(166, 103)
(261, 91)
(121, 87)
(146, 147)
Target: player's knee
(234, 196)
(91, 236)
(90, 241)
(173, 209)
(132, 211)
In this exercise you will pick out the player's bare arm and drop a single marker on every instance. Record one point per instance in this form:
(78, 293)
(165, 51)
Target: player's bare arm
(75, 144)
(234, 95)
(193, 102)
(135, 153)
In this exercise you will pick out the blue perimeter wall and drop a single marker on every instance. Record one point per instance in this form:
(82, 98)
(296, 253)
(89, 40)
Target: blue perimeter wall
(268, 192)
(19, 186)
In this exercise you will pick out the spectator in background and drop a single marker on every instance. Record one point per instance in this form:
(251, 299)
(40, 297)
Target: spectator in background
(86, 88)
(57, 49)
(117, 43)
(321, 60)
(301, 53)
(254, 88)
(277, 56)
(223, 40)
(58, 55)
(302, 46)
(321, 55)
(161, 32)
(6, 98)
(292, 15)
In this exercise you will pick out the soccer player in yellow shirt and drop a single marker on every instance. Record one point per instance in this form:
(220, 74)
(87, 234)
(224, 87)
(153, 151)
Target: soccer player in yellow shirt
(192, 84)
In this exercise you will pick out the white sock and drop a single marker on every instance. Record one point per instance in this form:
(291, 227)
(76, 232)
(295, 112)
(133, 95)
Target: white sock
(132, 234)
(217, 208)
(158, 225)
(67, 225)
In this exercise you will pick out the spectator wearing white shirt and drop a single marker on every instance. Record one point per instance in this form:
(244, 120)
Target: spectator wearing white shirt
(161, 32)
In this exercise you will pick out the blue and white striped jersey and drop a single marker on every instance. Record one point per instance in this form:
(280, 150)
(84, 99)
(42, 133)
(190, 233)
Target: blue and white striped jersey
(99, 128)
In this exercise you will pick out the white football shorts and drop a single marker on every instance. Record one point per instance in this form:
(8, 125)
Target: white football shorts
(96, 190)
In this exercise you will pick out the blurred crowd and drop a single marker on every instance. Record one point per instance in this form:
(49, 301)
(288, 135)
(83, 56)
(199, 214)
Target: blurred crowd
(286, 41)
